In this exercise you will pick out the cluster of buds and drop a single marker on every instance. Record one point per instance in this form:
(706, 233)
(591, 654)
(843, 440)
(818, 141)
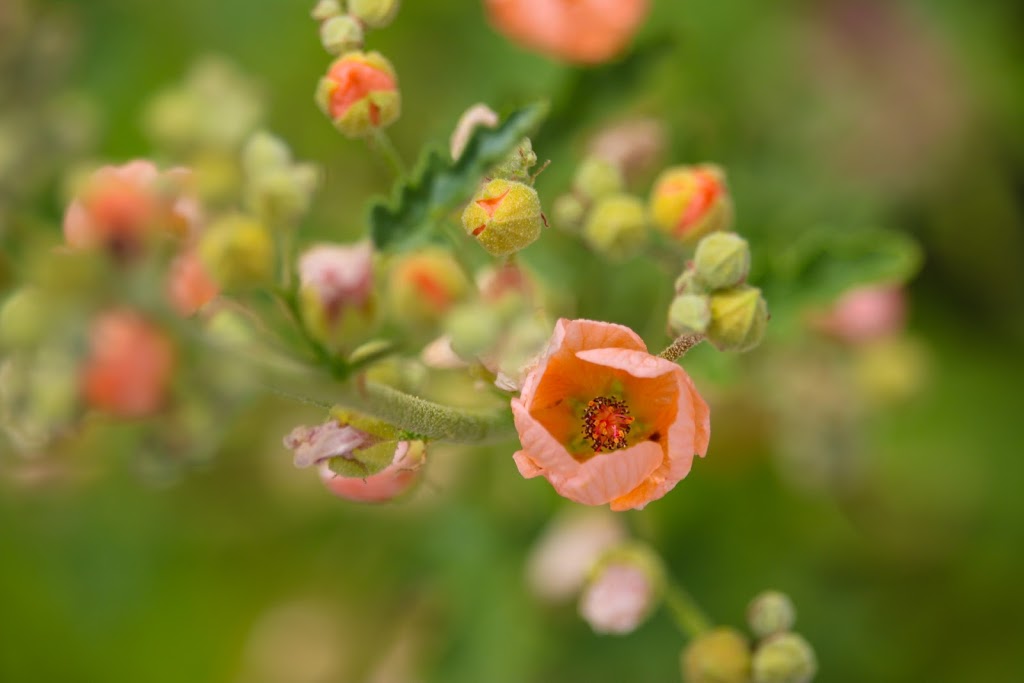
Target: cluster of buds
(359, 93)
(713, 299)
(725, 655)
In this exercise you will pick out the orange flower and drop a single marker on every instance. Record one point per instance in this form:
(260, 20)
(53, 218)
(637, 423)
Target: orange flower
(582, 31)
(606, 422)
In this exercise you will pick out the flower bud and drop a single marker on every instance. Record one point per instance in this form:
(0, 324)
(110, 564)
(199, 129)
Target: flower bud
(517, 164)
(634, 145)
(616, 226)
(341, 34)
(721, 655)
(130, 364)
(597, 177)
(38, 395)
(568, 212)
(189, 285)
(374, 13)
(325, 9)
(424, 285)
(784, 658)
(739, 317)
(689, 314)
(688, 202)
(472, 328)
(360, 93)
(25, 318)
(769, 613)
(476, 116)
(337, 284)
(237, 252)
(399, 477)
(504, 216)
(722, 260)
(568, 550)
(277, 189)
(265, 152)
(624, 589)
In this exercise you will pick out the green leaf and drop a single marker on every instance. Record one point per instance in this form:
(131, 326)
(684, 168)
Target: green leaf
(439, 185)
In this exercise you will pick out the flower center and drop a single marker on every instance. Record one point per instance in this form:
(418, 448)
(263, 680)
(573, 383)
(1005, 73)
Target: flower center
(606, 422)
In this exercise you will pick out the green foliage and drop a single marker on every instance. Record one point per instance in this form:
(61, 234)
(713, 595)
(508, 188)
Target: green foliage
(439, 185)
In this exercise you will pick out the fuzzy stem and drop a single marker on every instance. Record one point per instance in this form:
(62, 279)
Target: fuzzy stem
(680, 346)
(688, 616)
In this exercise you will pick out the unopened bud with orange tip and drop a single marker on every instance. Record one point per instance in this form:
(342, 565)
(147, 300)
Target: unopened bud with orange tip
(721, 655)
(238, 252)
(616, 226)
(739, 318)
(360, 93)
(337, 289)
(424, 285)
(374, 13)
(504, 216)
(688, 202)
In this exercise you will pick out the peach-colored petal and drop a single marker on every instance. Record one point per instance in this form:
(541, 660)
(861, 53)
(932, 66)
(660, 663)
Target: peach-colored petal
(79, 231)
(636, 363)
(527, 467)
(544, 451)
(606, 476)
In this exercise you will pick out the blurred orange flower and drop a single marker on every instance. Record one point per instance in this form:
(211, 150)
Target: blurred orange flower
(605, 421)
(581, 31)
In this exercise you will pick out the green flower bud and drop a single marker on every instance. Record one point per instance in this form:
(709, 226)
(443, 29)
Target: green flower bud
(720, 656)
(360, 93)
(568, 212)
(341, 34)
(504, 216)
(325, 9)
(597, 177)
(423, 286)
(784, 658)
(517, 165)
(473, 329)
(689, 314)
(237, 252)
(769, 613)
(374, 13)
(25, 318)
(264, 152)
(616, 226)
(722, 260)
(688, 202)
(739, 317)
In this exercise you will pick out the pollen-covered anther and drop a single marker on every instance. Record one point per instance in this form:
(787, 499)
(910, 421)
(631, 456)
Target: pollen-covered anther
(606, 423)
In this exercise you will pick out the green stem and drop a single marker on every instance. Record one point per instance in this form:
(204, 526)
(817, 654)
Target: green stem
(689, 617)
(680, 346)
(381, 143)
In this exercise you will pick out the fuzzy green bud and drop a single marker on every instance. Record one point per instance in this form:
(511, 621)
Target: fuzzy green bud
(689, 314)
(504, 216)
(341, 34)
(325, 9)
(784, 658)
(568, 212)
(721, 655)
(597, 177)
(374, 13)
(473, 329)
(616, 226)
(237, 252)
(722, 260)
(739, 317)
(769, 613)
(517, 165)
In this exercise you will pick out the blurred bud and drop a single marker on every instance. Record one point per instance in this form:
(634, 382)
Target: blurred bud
(688, 202)
(238, 252)
(689, 314)
(722, 260)
(374, 13)
(623, 590)
(399, 477)
(476, 116)
(616, 226)
(277, 189)
(864, 314)
(784, 658)
(439, 354)
(504, 216)
(769, 613)
(517, 164)
(721, 655)
(520, 345)
(633, 146)
(325, 9)
(424, 285)
(568, 212)
(189, 285)
(38, 395)
(504, 281)
(130, 365)
(337, 284)
(890, 370)
(472, 328)
(597, 177)
(739, 318)
(568, 549)
(360, 93)
(25, 318)
(265, 152)
(341, 34)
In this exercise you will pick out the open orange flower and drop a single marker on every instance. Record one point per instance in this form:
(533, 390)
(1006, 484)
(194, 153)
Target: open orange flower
(580, 31)
(605, 421)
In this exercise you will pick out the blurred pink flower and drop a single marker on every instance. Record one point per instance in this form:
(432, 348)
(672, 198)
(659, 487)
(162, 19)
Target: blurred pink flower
(568, 549)
(618, 599)
(189, 285)
(339, 275)
(865, 314)
(582, 31)
(605, 421)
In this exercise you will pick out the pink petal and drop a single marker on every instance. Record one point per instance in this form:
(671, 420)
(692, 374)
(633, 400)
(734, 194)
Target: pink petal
(609, 475)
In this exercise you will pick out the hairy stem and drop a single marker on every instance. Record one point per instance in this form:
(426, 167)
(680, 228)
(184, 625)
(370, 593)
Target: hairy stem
(680, 346)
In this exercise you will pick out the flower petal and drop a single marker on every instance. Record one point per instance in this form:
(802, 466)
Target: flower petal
(637, 363)
(543, 450)
(607, 476)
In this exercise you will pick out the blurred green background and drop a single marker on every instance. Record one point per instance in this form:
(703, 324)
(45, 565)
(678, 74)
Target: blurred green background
(842, 114)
